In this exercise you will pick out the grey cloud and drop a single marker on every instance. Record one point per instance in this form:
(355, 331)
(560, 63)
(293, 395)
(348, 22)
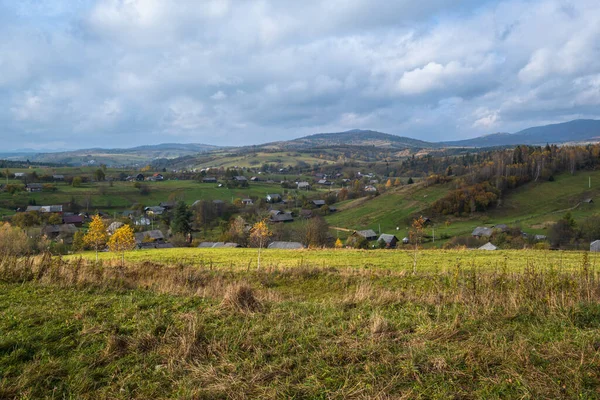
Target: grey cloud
(242, 72)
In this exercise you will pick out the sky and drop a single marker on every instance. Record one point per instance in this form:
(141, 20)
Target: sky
(121, 73)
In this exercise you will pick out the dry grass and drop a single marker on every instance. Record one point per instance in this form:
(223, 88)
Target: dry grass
(79, 329)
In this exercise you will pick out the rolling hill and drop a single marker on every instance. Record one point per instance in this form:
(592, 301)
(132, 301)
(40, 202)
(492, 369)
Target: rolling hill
(358, 137)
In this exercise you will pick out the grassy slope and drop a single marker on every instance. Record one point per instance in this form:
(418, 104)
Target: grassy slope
(529, 206)
(149, 332)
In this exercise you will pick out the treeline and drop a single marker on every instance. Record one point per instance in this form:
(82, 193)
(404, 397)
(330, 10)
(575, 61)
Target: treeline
(479, 180)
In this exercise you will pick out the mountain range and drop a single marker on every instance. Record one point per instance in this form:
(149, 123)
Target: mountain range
(576, 131)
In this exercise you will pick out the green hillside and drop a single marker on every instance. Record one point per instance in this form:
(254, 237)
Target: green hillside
(533, 207)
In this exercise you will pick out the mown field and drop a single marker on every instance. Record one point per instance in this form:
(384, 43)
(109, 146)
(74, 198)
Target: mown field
(159, 328)
(397, 260)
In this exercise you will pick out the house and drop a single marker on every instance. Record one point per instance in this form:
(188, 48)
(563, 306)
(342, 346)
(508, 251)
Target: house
(19, 175)
(540, 237)
(52, 209)
(303, 185)
(158, 177)
(390, 240)
(130, 214)
(113, 227)
(64, 232)
(318, 203)
(281, 216)
(324, 182)
(405, 240)
(255, 179)
(306, 214)
(488, 247)
(33, 209)
(149, 237)
(156, 210)
(501, 227)
(273, 198)
(209, 180)
(368, 234)
(139, 177)
(480, 232)
(370, 189)
(240, 178)
(595, 246)
(76, 220)
(588, 201)
(58, 177)
(286, 245)
(34, 187)
(167, 205)
(332, 209)
(247, 202)
(142, 221)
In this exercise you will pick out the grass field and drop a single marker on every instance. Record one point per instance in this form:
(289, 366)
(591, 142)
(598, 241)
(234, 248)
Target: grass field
(196, 330)
(396, 260)
(122, 195)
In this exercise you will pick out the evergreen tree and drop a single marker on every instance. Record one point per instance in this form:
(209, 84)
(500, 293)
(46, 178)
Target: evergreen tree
(182, 218)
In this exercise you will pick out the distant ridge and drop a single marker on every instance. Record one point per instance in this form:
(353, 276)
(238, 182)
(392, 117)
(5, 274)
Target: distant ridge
(359, 137)
(577, 131)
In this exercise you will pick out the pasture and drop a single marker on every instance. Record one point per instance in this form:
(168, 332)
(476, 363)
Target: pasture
(198, 324)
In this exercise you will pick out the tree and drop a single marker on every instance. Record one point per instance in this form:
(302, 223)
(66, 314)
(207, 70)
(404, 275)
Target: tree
(76, 182)
(397, 182)
(237, 231)
(339, 244)
(99, 175)
(316, 232)
(410, 181)
(416, 236)
(121, 241)
(78, 243)
(259, 236)
(388, 184)
(181, 219)
(96, 236)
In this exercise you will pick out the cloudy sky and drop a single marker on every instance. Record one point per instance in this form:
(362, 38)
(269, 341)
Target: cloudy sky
(119, 73)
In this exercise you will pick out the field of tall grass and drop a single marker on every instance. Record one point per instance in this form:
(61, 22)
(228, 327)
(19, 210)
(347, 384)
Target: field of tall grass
(74, 328)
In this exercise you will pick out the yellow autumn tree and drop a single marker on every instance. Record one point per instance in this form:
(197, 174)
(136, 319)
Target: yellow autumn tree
(121, 241)
(259, 236)
(96, 236)
(388, 184)
(397, 182)
(339, 244)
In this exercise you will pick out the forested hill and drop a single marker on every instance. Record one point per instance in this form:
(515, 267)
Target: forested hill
(357, 137)
(581, 130)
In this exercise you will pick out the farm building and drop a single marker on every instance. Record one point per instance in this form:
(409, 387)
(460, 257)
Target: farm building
(217, 245)
(488, 246)
(480, 232)
(303, 185)
(58, 177)
(51, 209)
(34, 187)
(405, 240)
(595, 246)
(247, 202)
(318, 203)
(390, 240)
(281, 216)
(76, 220)
(368, 234)
(209, 180)
(588, 201)
(64, 232)
(150, 236)
(156, 210)
(286, 245)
